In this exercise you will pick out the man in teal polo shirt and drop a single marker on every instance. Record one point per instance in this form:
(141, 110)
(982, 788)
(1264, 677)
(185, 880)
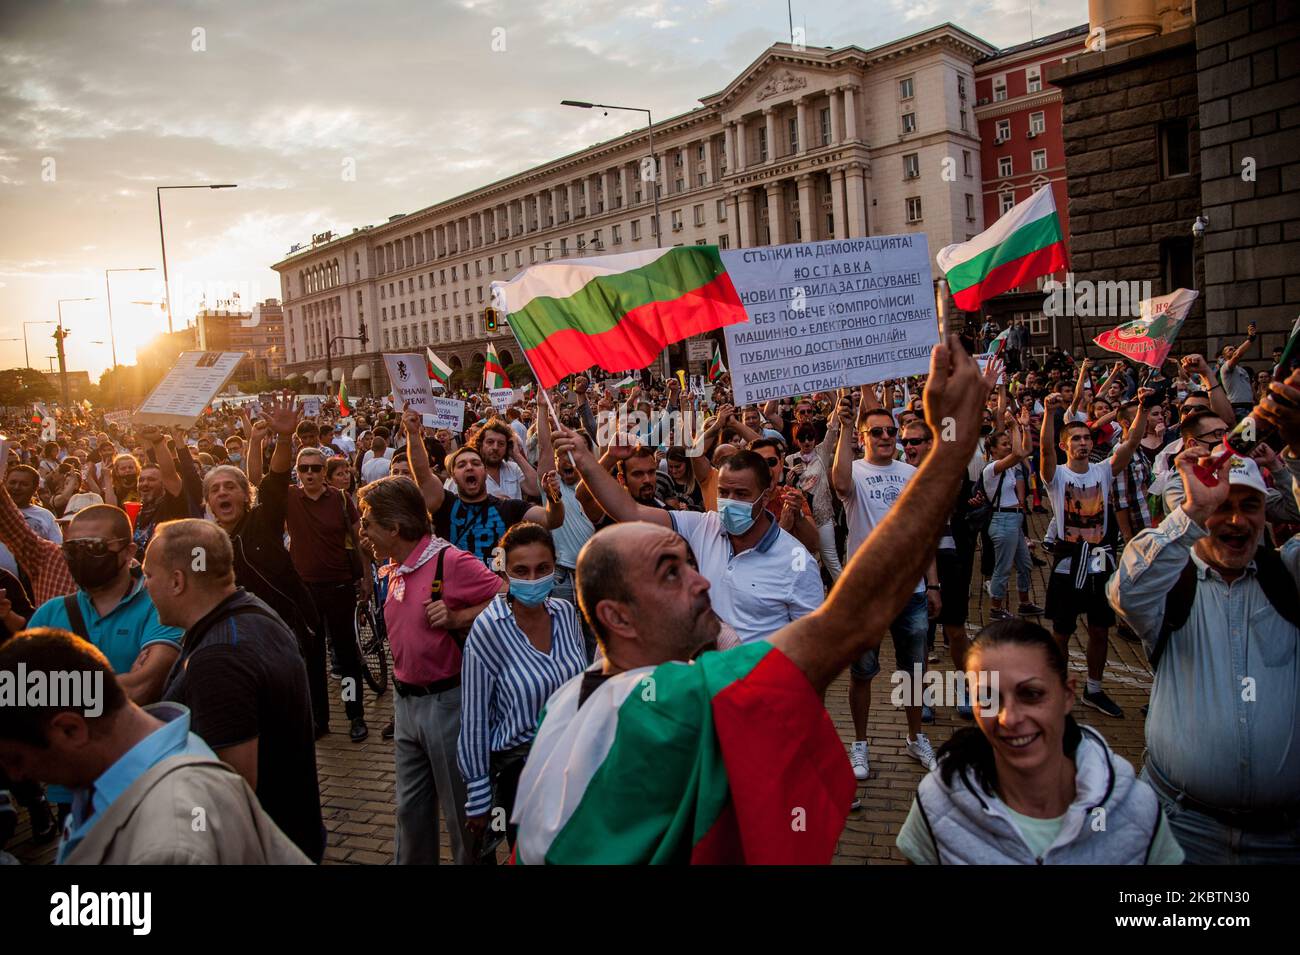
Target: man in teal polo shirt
(111, 608)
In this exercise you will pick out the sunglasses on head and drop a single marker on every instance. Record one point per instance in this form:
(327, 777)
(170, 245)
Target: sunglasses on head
(883, 432)
(310, 468)
(93, 546)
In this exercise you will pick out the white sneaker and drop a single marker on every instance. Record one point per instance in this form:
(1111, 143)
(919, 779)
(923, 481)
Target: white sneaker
(922, 750)
(858, 756)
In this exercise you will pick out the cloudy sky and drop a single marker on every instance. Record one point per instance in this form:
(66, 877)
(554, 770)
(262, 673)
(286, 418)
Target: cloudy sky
(102, 100)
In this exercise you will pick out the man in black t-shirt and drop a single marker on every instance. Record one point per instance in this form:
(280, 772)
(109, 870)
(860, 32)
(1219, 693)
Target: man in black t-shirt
(472, 519)
(240, 674)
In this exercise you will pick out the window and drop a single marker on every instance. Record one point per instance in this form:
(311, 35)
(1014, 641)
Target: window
(1003, 131)
(403, 310)
(423, 308)
(701, 241)
(702, 178)
(699, 152)
(1034, 79)
(914, 209)
(699, 214)
(961, 86)
(636, 229)
(999, 89)
(421, 283)
(519, 258)
(459, 329)
(564, 250)
(444, 299)
(1038, 159)
(1004, 166)
(965, 162)
(383, 314)
(965, 124)
(383, 292)
(724, 241)
(455, 299)
(1176, 263)
(405, 339)
(762, 144)
(793, 133)
(387, 343)
(825, 118)
(905, 88)
(1037, 323)
(1175, 152)
(424, 332)
(1005, 201)
(909, 122)
(722, 210)
(912, 166)
(1037, 123)
(616, 234)
(677, 220)
(970, 207)
(442, 276)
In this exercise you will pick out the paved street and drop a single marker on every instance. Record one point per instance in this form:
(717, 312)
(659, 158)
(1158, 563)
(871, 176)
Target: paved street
(357, 780)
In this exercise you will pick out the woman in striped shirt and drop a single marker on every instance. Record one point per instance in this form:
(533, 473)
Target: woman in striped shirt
(520, 650)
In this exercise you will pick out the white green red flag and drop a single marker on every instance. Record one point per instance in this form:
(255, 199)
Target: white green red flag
(716, 368)
(616, 311)
(1025, 243)
(439, 370)
(706, 762)
(1149, 339)
(997, 344)
(494, 373)
(344, 408)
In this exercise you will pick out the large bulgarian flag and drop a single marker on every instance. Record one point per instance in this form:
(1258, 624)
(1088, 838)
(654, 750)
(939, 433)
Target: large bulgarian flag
(729, 759)
(1150, 338)
(439, 370)
(616, 311)
(494, 373)
(1025, 243)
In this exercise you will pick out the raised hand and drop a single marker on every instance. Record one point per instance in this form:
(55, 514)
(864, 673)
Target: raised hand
(282, 415)
(551, 484)
(1202, 501)
(1280, 407)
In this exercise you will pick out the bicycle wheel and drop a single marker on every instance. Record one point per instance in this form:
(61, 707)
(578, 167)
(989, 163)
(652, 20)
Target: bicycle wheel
(370, 647)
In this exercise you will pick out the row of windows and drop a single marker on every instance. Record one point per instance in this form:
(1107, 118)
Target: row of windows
(1037, 163)
(1033, 83)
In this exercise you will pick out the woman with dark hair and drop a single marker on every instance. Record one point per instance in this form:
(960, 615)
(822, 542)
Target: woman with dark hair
(1027, 785)
(520, 650)
(676, 485)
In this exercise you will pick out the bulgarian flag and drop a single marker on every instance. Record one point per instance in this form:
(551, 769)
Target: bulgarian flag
(1150, 338)
(344, 409)
(729, 759)
(494, 373)
(1025, 243)
(716, 368)
(616, 311)
(439, 370)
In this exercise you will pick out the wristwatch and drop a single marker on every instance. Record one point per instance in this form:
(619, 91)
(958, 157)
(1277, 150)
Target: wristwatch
(933, 587)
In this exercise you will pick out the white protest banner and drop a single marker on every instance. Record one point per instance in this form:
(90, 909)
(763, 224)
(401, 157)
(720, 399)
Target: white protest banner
(502, 398)
(826, 315)
(699, 351)
(410, 377)
(120, 418)
(311, 407)
(189, 387)
(448, 413)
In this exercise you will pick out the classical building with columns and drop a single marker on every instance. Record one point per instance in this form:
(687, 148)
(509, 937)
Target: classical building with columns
(805, 144)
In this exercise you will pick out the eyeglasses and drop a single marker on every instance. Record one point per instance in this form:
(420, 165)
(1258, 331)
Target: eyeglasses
(93, 546)
(771, 462)
(310, 468)
(913, 442)
(1210, 437)
(883, 432)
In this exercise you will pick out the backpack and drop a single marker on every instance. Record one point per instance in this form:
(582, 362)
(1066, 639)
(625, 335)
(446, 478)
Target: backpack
(979, 509)
(1273, 577)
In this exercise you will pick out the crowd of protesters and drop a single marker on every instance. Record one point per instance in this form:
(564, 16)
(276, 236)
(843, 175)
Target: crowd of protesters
(212, 574)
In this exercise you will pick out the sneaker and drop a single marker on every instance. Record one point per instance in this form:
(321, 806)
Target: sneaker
(856, 804)
(922, 750)
(359, 730)
(1100, 701)
(997, 613)
(389, 731)
(858, 757)
(931, 656)
(1029, 610)
(927, 713)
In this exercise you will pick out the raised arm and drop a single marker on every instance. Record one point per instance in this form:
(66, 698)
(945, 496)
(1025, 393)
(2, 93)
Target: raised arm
(1123, 452)
(842, 469)
(552, 515)
(1219, 404)
(883, 573)
(1047, 439)
(1084, 369)
(529, 484)
(257, 432)
(155, 440)
(418, 456)
(282, 417)
(609, 494)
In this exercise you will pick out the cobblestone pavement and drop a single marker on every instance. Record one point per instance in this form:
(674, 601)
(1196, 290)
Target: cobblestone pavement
(357, 779)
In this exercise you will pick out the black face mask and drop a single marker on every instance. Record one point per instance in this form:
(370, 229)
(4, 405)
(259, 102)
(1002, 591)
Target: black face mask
(131, 480)
(90, 572)
(986, 430)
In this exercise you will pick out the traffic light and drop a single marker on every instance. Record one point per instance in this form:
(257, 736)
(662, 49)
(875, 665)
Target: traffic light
(490, 319)
(362, 335)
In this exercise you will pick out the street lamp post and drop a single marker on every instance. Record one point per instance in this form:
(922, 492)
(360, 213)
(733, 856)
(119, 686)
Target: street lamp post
(650, 128)
(162, 238)
(60, 334)
(27, 359)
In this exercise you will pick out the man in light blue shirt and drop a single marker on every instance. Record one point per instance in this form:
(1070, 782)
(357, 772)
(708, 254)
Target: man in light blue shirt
(1217, 613)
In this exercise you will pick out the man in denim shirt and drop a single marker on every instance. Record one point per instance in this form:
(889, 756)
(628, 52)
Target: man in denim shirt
(1223, 752)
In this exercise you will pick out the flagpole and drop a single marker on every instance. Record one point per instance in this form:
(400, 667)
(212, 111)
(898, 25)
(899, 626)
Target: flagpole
(546, 392)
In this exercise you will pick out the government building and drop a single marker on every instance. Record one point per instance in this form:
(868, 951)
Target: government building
(805, 144)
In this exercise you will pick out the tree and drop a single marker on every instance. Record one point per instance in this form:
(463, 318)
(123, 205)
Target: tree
(520, 374)
(24, 386)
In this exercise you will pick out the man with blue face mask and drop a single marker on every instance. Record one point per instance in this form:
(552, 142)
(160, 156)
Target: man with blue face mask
(761, 577)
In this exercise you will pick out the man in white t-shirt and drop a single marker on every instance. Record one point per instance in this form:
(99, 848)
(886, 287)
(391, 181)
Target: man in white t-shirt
(868, 488)
(1080, 492)
(378, 461)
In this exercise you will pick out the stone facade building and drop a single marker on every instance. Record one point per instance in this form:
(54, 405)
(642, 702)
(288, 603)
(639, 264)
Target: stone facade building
(804, 144)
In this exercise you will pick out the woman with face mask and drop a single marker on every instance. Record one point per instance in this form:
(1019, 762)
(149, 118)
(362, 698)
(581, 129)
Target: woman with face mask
(520, 650)
(1027, 785)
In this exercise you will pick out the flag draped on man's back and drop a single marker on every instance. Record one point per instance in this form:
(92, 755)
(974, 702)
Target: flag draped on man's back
(1025, 243)
(616, 311)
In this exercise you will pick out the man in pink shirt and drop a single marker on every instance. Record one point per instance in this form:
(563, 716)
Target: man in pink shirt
(435, 591)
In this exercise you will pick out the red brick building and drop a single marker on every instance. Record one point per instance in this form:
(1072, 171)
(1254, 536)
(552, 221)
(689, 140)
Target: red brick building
(1022, 150)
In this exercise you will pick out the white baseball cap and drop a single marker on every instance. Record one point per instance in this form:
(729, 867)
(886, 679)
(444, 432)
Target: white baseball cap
(77, 502)
(1245, 473)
